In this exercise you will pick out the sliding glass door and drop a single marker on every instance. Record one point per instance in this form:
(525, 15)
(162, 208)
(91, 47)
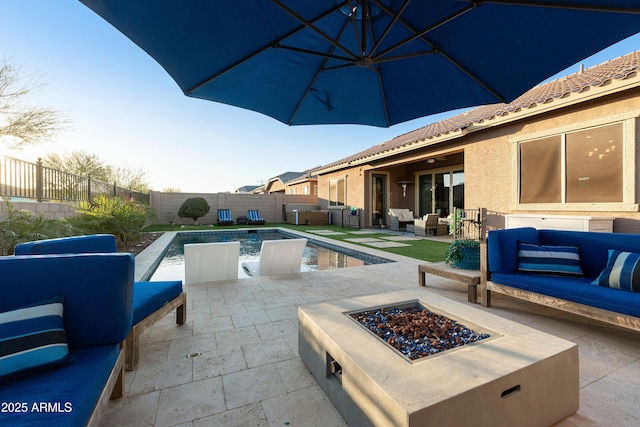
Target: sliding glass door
(440, 192)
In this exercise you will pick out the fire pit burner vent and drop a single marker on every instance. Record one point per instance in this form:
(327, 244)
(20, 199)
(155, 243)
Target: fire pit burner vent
(415, 331)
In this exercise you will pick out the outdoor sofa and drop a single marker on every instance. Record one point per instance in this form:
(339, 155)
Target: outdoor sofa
(151, 300)
(400, 218)
(76, 363)
(585, 273)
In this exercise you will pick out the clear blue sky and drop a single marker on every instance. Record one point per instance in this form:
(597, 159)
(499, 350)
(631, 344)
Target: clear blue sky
(122, 106)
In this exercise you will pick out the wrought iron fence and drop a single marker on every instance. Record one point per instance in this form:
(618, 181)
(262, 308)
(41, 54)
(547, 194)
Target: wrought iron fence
(466, 223)
(36, 181)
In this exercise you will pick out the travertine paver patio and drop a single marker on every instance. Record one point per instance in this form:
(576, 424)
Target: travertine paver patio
(247, 370)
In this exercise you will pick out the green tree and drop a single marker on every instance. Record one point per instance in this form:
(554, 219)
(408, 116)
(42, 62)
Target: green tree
(194, 208)
(79, 163)
(22, 124)
(82, 163)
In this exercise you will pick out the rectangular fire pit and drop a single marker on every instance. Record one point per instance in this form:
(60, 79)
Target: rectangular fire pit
(517, 376)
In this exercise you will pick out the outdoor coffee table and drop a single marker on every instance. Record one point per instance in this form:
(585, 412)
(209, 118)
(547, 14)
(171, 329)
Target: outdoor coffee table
(518, 376)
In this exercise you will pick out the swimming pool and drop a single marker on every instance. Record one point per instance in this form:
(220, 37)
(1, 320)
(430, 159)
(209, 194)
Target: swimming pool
(317, 255)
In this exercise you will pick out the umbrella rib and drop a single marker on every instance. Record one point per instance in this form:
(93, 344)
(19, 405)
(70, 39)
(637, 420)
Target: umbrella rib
(314, 28)
(571, 6)
(406, 56)
(315, 53)
(315, 77)
(384, 99)
(421, 35)
(394, 20)
(351, 18)
(258, 52)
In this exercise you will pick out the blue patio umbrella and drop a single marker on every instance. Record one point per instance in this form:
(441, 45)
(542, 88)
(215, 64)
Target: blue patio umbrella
(373, 62)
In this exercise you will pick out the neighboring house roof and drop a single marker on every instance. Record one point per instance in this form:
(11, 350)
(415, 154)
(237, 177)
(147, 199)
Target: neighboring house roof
(247, 188)
(286, 177)
(600, 75)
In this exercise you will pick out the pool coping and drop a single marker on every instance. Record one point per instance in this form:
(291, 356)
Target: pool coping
(148, 260)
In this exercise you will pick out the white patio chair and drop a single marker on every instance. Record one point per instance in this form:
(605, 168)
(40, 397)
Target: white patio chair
(277, 257)
(210, 262)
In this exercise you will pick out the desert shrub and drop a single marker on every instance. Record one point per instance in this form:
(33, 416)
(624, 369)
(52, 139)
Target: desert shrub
(124, 219)
(24, 226)
(194, 208)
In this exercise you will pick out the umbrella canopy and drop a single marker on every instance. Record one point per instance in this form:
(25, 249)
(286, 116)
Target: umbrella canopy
(373, 62)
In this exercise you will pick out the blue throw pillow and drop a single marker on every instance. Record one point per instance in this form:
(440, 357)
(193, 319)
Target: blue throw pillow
(622, 271)
(548, 259)
(32, 339)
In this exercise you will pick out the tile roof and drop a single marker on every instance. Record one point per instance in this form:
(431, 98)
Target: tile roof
(616, 69)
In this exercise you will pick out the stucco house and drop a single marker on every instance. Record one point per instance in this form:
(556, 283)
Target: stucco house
(566, 147)
(294, 183)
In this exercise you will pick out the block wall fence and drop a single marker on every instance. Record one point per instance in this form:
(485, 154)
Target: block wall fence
(166, 206)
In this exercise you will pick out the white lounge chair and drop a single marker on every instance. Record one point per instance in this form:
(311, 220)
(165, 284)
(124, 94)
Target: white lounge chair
(210, 262)
(277, 257)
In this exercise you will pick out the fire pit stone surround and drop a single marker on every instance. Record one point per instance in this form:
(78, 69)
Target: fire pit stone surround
(519, 376)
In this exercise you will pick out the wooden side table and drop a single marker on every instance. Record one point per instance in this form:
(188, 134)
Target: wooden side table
(470, 277)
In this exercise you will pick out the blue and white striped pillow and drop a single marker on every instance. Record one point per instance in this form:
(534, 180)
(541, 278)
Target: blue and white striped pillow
(32, 339)
(622, 271)
(548, 259)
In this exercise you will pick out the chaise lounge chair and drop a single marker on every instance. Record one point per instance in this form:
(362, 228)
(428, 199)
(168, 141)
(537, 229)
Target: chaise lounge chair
(255, 218)
(211, 262)
(151, 300)
(224, 217)
(277, 257)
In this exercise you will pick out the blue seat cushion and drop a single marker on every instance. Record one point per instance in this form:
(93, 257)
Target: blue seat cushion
(70, 393)
(150, 296)
(576, 289)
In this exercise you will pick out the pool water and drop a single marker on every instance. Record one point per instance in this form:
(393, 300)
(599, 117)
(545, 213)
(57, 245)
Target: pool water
(317, 255)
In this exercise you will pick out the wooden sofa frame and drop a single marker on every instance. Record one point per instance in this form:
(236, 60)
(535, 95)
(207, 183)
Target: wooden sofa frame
(113, 389)
(606, 316)
(132, 344)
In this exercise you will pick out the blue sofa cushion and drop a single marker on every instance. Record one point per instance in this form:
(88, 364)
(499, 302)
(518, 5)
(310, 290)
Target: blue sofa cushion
(95, 243)
(622, 271)
(68, 395)
(97, 291)
(149, 296)
(549, 259)
(32, 339)
(503, 247)
(576, 289)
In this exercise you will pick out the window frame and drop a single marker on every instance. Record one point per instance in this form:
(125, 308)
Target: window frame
(334, 203)
(628, 203)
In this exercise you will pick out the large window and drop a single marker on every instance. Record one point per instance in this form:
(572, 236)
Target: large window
(576, 167)
(337, 192)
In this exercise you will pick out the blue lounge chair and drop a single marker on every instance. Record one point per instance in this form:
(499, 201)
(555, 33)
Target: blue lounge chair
(224, 217)
(255, 218)
(151, 300)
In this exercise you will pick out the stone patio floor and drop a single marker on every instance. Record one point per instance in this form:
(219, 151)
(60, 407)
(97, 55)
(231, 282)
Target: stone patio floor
(247, 371)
